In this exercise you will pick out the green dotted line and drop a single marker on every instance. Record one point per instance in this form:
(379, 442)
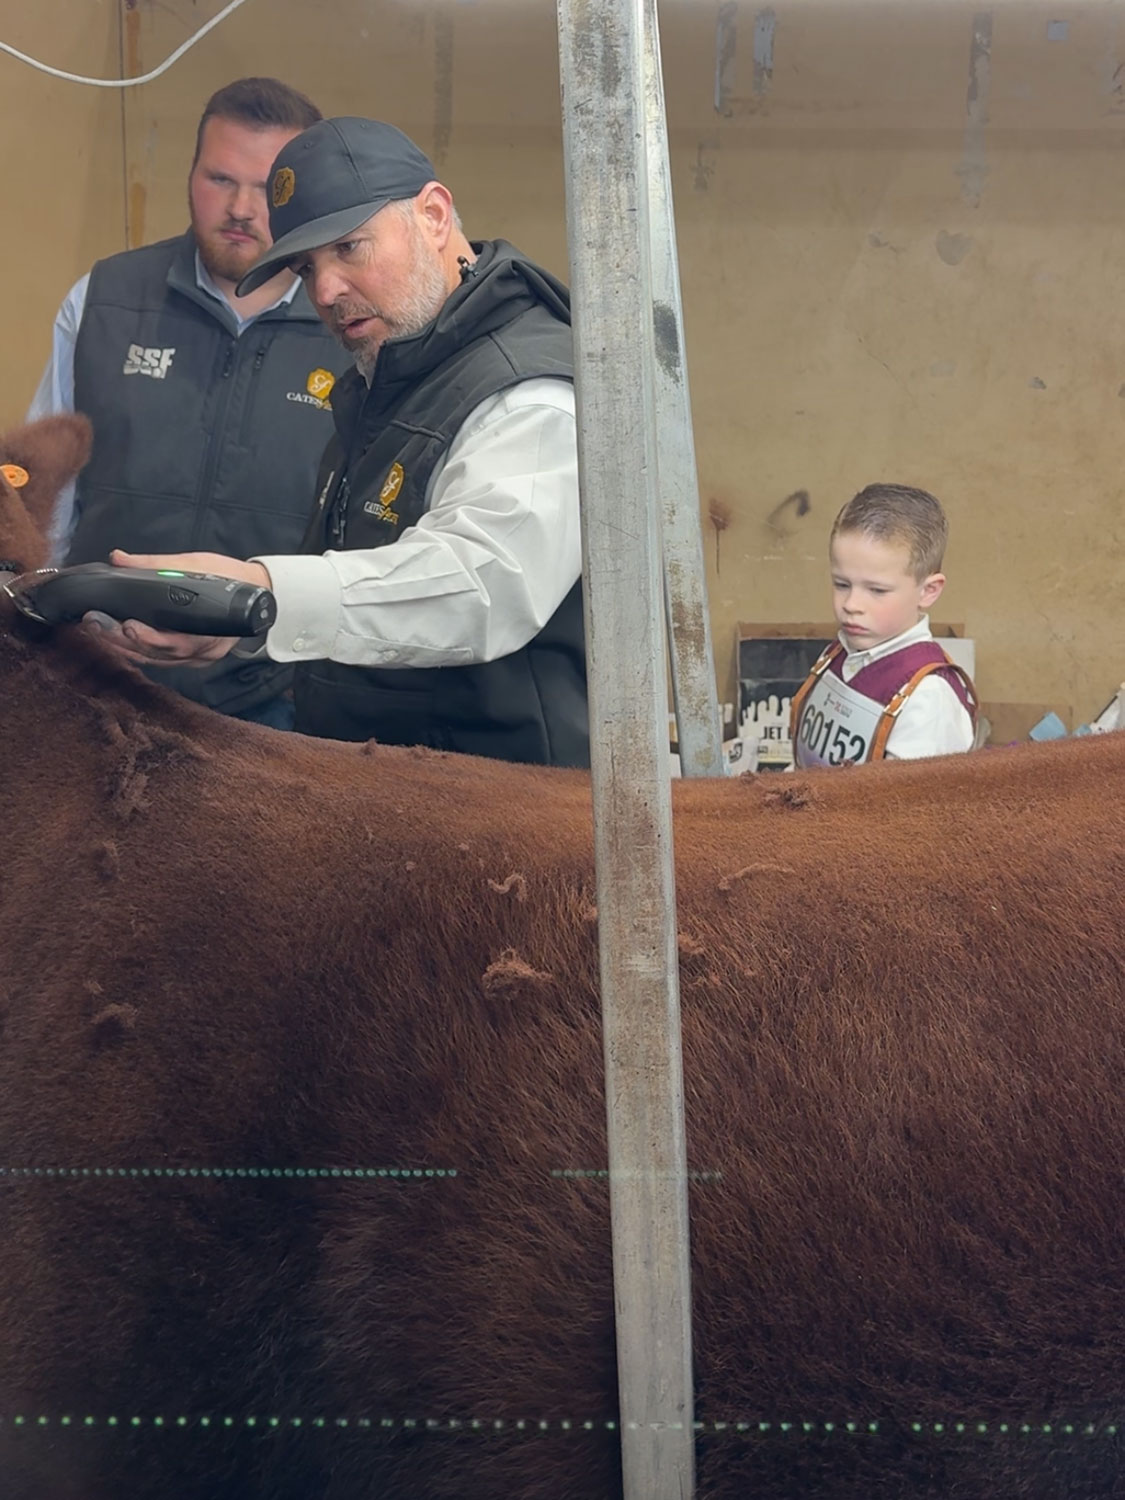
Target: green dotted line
(476, 1424)
(400, 1172)
(604, 1172)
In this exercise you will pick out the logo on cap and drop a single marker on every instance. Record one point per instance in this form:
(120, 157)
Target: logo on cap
(284, 186)
(319, 383)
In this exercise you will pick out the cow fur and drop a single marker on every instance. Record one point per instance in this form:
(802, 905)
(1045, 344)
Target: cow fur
(229, 949)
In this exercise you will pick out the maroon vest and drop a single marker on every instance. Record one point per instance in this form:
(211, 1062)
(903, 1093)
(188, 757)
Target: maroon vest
(887, 682)
(882, 679)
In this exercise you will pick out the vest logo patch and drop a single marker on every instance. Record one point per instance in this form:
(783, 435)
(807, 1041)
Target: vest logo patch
(284, 186)
(142, 361)
(381, 508)
(320, 383)
(389, 493)
(318, 387)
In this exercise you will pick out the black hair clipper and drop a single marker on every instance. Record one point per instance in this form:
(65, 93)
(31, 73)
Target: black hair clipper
(165, 598)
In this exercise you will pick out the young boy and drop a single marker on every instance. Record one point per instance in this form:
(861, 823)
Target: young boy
(884, 687)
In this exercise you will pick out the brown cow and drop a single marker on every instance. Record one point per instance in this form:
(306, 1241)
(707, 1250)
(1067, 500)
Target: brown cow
(248, 981)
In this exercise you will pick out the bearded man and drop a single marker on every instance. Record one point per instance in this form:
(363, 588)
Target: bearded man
(437, 597)
(210, 411)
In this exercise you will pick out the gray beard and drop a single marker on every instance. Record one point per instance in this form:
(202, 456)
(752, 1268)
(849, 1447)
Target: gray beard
(367, 357)
(419, 307)
(365, 362)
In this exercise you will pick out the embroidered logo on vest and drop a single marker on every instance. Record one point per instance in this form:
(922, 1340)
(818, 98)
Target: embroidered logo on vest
(318, 387)
(284, 186)
(142, 361)
(320, 383)
(381, 508)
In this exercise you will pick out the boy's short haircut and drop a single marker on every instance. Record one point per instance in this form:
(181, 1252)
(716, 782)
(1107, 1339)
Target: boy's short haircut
(261, 104)
(898, 513)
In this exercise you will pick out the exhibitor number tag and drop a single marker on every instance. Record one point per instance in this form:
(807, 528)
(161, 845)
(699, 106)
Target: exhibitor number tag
(837, 724)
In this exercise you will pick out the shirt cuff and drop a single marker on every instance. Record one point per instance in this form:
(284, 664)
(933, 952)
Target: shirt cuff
(308, 594)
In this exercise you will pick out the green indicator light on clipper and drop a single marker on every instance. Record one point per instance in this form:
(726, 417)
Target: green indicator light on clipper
(170, 573)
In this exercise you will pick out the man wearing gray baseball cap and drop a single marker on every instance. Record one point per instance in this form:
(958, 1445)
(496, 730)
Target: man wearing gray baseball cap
(437, 599)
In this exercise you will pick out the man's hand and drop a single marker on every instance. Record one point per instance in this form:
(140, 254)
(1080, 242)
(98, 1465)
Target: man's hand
(148, 647)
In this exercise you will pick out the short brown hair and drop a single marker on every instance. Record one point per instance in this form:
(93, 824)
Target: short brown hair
(898, 513)
(261, 103)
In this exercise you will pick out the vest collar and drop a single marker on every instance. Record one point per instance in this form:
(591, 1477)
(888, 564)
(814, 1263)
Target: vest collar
(503, 284)
(182, 278)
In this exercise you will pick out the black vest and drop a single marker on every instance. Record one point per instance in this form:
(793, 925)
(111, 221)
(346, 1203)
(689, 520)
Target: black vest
(508, 322)
(203, 440)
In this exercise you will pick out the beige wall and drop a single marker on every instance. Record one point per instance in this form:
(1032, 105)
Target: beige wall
(60, 166)
(900, 240)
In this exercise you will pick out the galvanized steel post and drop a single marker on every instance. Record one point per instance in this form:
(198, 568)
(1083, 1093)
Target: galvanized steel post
(602, 69)
(699, 729)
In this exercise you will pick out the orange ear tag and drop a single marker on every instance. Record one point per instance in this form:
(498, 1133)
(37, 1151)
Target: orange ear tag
(15, 476)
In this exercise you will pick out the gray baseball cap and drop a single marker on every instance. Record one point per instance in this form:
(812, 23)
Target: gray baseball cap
(329, 180)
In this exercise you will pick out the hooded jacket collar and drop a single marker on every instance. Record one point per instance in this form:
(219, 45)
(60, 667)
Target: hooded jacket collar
(500, 285)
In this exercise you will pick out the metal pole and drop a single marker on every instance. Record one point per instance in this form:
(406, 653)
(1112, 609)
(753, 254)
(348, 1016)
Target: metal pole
(601, 61)
(699, 727)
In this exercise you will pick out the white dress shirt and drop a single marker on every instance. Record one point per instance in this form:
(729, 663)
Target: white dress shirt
(481, 573)
(933, 720)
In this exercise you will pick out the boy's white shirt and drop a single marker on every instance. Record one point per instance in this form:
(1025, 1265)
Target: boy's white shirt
(933, 720)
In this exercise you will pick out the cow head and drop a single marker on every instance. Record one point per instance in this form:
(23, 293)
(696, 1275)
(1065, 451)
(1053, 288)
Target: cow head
(36, 460)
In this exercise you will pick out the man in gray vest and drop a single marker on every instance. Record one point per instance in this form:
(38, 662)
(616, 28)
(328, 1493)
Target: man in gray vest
(437, 599)
(210, 411)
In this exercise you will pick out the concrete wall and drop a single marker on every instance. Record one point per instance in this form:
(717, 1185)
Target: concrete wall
(900, 240)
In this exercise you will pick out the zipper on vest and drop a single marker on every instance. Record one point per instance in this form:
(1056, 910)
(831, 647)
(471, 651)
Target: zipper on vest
(204, 496)
(322, 498)
(338, 520)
